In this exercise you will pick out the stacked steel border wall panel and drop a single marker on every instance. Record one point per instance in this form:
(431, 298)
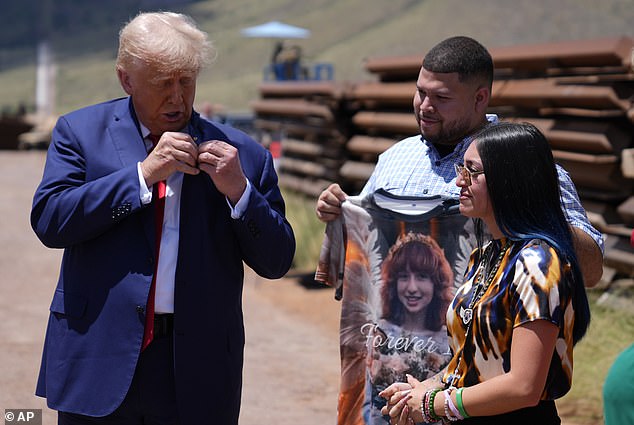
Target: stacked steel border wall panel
(310, 122)
(580, 94)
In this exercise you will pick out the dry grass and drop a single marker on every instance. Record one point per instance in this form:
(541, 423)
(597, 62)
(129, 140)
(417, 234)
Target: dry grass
(611, 331)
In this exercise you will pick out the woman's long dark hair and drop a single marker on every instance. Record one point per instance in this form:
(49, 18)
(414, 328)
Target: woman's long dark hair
(523, 185)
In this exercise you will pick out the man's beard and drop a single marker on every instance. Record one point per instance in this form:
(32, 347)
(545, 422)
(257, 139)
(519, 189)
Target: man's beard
(449, 135)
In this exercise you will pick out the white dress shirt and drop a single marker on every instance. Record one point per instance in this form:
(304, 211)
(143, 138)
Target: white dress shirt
(168, 255)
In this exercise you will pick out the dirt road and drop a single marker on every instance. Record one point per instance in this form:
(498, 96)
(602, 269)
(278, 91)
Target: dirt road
(291, 358)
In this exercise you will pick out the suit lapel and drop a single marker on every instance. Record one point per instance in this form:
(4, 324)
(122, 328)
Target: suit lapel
(126, 138)
(126, 135)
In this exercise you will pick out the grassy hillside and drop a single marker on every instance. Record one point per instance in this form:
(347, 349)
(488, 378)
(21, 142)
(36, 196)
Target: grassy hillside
(344, 32)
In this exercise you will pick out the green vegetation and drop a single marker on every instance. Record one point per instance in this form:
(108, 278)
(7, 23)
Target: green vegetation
(309, 231)
(611, 331)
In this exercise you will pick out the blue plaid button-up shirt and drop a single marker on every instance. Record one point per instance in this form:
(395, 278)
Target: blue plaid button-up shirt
(413, 167)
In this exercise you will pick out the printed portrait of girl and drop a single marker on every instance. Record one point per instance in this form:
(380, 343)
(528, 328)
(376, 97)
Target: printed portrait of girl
(410, 336)
(417, 284)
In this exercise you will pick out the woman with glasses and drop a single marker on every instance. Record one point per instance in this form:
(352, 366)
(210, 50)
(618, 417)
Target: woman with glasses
(513, 323)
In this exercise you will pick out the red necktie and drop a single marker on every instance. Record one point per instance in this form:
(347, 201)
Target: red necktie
(158, 196)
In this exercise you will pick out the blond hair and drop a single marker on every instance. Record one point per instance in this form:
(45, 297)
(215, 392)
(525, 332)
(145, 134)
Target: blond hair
(167, 40)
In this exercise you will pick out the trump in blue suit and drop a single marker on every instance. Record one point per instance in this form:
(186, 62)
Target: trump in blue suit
(223, 210)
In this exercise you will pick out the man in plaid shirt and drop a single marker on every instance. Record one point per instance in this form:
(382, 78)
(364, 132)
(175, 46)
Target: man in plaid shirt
(452, 94)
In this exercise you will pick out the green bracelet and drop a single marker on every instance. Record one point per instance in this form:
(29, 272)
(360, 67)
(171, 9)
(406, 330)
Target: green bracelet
(432, 412)
(461, 409)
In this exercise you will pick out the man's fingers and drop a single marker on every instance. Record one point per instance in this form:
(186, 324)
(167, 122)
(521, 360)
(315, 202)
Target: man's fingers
(398, 396)
(403, 418)
(336, 191)
(186, 157)
(216, 147)
(333, 195)
(393, 389)
(328, 206)
(187, 169)
(397, 410)
(412, 381)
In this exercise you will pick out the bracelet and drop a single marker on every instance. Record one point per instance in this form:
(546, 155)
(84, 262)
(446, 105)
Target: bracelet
(451, 412)
(432, 412)
(424, 407)
(460, 404)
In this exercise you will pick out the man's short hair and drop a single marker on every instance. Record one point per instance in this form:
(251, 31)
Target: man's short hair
(464, 55)
(170, 41)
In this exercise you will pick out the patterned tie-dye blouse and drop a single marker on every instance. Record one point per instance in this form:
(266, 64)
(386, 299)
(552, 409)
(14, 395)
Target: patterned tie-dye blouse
(528, 286)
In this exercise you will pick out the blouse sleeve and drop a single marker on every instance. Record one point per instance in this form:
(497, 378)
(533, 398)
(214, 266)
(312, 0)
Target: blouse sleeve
(538, 290)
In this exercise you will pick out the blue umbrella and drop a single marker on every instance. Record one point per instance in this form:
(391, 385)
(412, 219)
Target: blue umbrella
(275, 29)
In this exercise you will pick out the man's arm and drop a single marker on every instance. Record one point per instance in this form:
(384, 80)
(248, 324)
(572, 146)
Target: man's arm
(588, 241)
(588, 255)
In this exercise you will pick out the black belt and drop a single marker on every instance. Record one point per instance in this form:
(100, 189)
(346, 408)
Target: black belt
(163, 325)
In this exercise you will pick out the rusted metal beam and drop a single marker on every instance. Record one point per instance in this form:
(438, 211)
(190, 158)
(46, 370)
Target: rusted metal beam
(538, 93)
(621, 257)
(600, 172)
(310, 187)
(292, 108)
(627, 163)
(328, 89)
(399, 123)
(584, 136)
(356, 171)
(582, 113)
(613, 51)
(395, 68)
(393, 93)
(301, 130)
(626, 211)
(311, 149)
(307, 168)
(369, 145)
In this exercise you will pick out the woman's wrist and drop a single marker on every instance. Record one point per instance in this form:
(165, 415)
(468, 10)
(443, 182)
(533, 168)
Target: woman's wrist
(428, 406)
(460, 403)
(439, 404)
(446, 405)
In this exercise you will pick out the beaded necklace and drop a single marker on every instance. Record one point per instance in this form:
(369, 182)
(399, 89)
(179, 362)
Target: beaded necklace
(467, 314)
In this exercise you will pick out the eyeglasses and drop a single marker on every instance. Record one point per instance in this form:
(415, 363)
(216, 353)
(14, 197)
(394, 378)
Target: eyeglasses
(465, 173)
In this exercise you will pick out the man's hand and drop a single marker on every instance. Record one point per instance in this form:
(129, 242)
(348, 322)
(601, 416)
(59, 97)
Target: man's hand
(221, 161)
(329, 203)
(173, 152)
(397, 395)
(407, 397)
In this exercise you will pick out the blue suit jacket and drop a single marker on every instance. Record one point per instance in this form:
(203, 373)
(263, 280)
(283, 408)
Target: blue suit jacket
(88, 204)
